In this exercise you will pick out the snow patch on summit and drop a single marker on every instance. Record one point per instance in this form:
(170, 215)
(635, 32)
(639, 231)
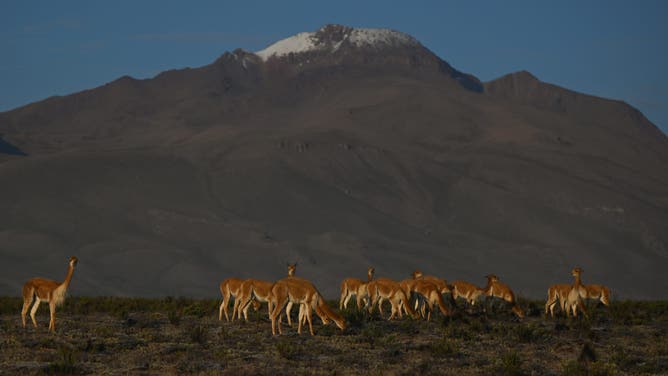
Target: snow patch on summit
(301, 42)
(313, 41)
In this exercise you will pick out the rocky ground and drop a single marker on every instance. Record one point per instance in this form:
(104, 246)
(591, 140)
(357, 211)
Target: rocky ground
(181, 336)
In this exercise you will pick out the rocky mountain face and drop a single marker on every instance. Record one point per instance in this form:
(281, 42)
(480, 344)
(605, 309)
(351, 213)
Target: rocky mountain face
(339, 149)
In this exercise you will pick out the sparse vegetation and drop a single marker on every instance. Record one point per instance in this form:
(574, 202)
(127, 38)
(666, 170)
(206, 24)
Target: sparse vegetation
(288, 349)
(198, 334)
(184, 336)
(509, 364)
(65, 364)
(444, 348)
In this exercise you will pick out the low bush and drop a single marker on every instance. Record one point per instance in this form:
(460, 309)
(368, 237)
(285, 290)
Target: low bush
(65, 364)
(444, 348)
(509, 364)
(198, 334)
(288, 348)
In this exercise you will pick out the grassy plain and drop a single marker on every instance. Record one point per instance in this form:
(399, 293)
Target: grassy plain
(175, 336)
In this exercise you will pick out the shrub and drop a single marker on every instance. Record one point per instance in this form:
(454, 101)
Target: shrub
(94, 346)
(354, 318)
(457, 318)
(66, 363)
(409, 326)
(623, 360)
(444, 348)
(5, 325)
(530, 333)
(582, 325)
(174, 317)
(327, 330)
(10, 305)
(587, 354)
(392, 353)
(460, 331)
(582, 366)
(627, 312)
(198, 334)
(509, 364)
(199, 309)
(288, 349)
(371, 334)
(480, 325)
(560, 325)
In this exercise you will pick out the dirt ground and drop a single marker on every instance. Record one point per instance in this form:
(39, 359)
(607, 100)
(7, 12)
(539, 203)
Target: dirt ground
(624, 339)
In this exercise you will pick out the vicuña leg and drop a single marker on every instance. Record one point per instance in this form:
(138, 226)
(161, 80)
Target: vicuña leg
(33, 311)
(223, 307)
(28, 297)
(52, 312)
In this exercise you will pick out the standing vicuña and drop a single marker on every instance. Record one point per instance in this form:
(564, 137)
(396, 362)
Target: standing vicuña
(579, 292)
(229, 288)
(556, 293)
(354, 286)
(41, 289)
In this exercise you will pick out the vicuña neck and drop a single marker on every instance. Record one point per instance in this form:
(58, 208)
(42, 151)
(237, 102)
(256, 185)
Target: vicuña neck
(68, 277)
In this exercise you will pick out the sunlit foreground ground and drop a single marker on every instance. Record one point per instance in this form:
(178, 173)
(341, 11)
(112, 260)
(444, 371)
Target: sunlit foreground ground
(183, 336)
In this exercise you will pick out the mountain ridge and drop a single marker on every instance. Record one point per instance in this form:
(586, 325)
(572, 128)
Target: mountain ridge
(167, 185)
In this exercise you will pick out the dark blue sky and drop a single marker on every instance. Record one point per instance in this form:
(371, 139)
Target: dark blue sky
(613, 49)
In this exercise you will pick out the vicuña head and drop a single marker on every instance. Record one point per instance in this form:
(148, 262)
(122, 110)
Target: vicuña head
(492, 278)
(291, 269)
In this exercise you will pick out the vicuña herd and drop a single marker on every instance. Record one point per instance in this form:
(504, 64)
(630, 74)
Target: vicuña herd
(419, 296)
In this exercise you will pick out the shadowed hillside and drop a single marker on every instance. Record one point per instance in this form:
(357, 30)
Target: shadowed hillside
(337, 159)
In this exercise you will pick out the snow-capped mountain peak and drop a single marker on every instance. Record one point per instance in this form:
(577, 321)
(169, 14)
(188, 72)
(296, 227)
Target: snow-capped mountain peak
(332, 37)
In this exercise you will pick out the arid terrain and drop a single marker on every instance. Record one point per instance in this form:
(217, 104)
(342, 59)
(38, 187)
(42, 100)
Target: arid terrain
(341, 157)
(183, 336)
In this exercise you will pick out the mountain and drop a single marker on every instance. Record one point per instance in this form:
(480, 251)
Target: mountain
(340, 149)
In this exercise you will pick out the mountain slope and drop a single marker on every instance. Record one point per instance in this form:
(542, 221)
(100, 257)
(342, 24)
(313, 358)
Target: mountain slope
(337, 155)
